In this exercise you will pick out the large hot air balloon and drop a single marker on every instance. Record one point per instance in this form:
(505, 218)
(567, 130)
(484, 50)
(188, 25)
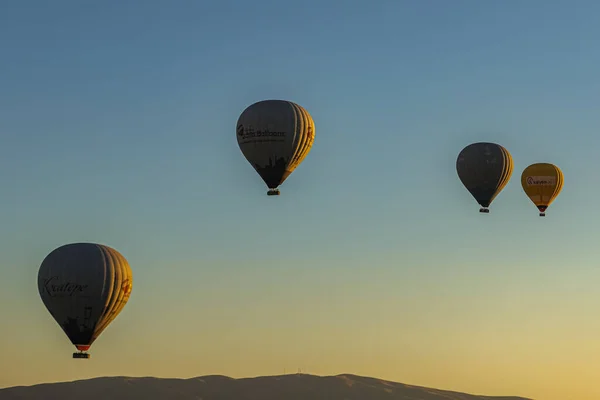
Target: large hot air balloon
(542, 182)
(275, 136)
(84, 286)
(484, 169)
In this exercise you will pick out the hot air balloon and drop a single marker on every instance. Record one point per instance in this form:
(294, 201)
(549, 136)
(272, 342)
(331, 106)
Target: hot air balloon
(275, 136)
(84, 286)
(484, 169)
(542, 182)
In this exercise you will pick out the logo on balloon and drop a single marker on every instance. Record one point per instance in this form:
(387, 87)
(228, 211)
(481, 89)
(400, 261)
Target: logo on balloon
(62, 289)
(250, 133)
(541, 180)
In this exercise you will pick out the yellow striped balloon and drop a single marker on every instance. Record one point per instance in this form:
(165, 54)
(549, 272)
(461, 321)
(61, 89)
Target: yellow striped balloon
(275, 136)
(84, 286)
(484, 169)
(542, 182)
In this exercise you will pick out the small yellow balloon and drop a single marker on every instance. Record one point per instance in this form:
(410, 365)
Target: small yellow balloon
(542, 182)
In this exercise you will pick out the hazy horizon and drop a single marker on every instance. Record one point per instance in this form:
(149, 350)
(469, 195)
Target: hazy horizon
(217, 387)
(117, 126)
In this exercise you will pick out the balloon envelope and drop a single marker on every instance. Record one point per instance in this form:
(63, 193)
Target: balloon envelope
(84, 286)
(542, 182)
(275, 136)
(485, 169)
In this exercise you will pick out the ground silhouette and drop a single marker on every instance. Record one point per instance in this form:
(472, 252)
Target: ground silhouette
(216, 387)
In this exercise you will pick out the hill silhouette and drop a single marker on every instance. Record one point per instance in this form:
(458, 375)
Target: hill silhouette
(217, 387)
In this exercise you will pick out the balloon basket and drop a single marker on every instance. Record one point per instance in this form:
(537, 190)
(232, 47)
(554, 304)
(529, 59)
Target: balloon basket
(81, 355)
(484, 210)
(273, 192)
(542, 214)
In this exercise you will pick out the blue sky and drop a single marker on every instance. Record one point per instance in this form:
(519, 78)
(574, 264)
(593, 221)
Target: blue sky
(117, 125)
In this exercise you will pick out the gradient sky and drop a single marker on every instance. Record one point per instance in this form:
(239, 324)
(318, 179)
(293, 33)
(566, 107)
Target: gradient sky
(117, 125)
